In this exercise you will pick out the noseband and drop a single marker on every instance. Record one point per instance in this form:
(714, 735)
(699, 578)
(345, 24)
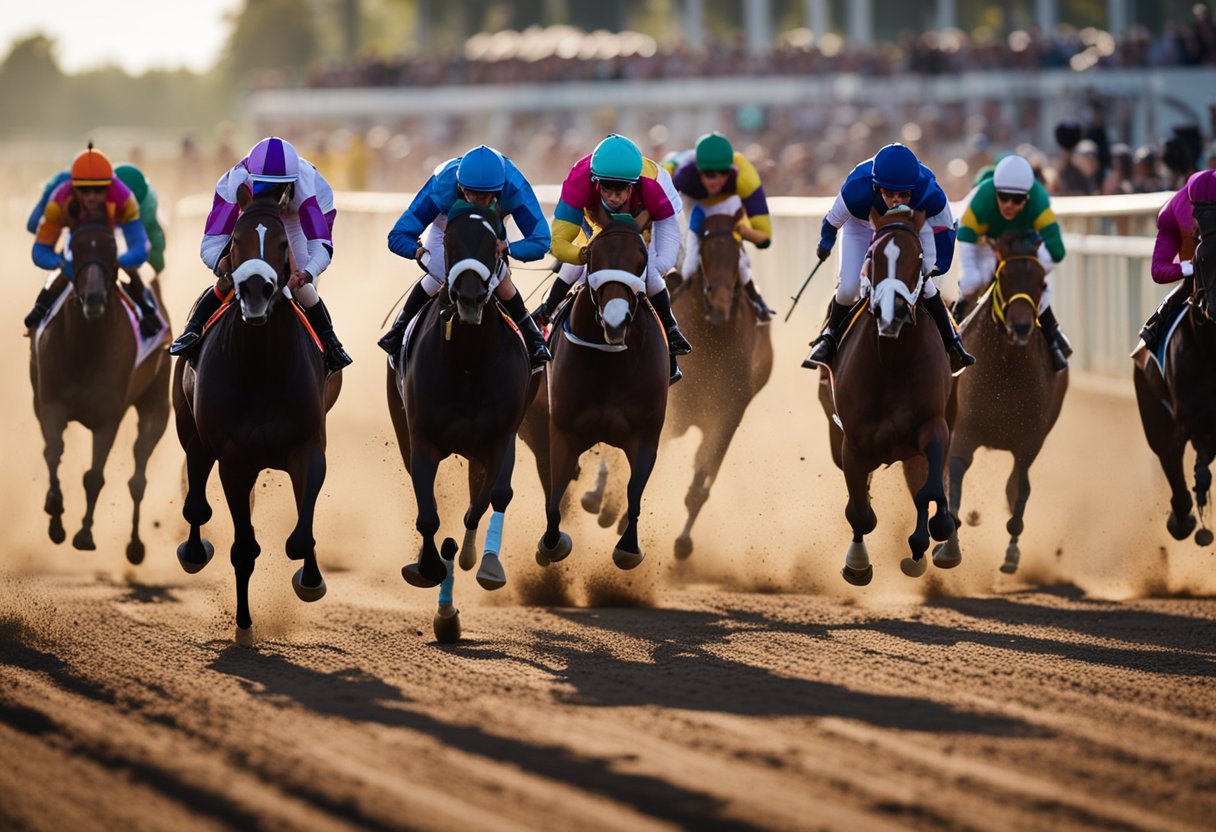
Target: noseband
(885, 290)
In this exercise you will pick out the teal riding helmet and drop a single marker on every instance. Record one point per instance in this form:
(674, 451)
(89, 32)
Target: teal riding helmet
(616, 159)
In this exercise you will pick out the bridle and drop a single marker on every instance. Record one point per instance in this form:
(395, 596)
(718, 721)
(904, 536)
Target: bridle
(1000, 303)
(705, 287)
(885, 290)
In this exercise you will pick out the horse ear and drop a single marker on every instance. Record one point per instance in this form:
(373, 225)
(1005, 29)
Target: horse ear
(918, 219)
(244, 196)
(876, 219)
(643, 220)
(599, 215)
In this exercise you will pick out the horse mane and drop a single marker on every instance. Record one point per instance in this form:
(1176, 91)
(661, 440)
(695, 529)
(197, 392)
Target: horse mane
(1020, 243)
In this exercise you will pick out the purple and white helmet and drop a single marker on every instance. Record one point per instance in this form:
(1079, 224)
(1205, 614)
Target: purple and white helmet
(273, 160)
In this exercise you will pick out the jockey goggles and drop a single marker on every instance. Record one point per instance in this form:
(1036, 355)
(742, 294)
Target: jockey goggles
(1011, 198)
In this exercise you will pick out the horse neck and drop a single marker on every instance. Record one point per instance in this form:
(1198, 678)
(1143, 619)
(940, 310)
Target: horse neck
(471, 339)
(274, 348)
(85, 340)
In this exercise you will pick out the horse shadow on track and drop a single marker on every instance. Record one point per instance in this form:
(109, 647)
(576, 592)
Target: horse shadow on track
(356, 695)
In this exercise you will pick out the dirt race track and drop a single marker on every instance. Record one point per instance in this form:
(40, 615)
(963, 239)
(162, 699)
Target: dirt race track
(751, 688)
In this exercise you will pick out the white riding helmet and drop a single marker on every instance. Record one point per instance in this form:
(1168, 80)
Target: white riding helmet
(1013, 175)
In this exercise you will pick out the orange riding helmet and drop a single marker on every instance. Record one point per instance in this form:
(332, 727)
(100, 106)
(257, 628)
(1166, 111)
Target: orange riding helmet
(91, 168)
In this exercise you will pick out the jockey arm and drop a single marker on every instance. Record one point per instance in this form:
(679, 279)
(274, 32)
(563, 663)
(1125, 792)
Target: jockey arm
(1166, 268)
(519, 200)
(837, 216)
(49, 231)
(404, 236)
(757, 228)
(31, 224)
(137, 244)
(567, 224)
(312, 227)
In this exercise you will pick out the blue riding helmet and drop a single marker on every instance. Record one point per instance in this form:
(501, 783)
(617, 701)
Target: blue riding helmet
(616, 159)
(896, 168)
(482, 169)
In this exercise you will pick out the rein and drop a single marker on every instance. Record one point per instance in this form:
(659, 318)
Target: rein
(999, 301)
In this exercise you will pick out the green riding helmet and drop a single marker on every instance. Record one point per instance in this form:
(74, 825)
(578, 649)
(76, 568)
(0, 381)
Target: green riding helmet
(714, 152)
(133, 179)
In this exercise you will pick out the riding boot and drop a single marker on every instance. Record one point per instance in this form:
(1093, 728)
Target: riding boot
(336, 356)
(390, 341)
(824, 347)
(1057, 344)
(763, 313)
(960, 359)
(538, 351)
(548, 307)
(207, 305)
(43, 304)
(676, 342)
(149, 320)
(1163, 316)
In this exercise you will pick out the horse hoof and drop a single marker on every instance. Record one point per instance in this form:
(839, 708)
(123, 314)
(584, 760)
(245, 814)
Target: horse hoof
(683, 547)
(414, 577)
(135, 552)
(244, 637)
(624, 559)
(947, 555)
(446, 624)
(1203, 537)
(192, 566)
(468, 551)
(491, 575)
(941, 526)
(857, 577)
(83, 540)
(591, 502)
(541, 560)
(56, 531)
(607, 518)
(560, 550)
(1180, 529)
(1012, 556)
(914, 568)
(305, 592)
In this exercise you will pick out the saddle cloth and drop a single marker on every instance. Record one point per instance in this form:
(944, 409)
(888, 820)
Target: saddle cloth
(144, 347)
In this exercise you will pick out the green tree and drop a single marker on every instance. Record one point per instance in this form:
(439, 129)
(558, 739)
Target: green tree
(271, 35)
(31, 86)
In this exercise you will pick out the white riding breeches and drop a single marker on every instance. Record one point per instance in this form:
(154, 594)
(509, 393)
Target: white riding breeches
(692, 259)
(979, 269)
(855, 239)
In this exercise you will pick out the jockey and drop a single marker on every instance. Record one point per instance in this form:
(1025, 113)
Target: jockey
(617, 176)
(487, 179)
(1173, 251)
(90, 192)
(273, 167)
(1011, 200)
(892, 178)
(721, 180)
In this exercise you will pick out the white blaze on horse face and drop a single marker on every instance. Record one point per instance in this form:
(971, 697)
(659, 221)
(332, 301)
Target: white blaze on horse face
(261, 229)
(891, 251)
(616, 311)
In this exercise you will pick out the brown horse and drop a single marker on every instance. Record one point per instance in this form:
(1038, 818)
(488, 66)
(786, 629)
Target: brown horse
(460, 386)
(1011, 398)
(889, 390)
(607, 383)
(1178, 404)
(732, 362)
(255, 399)
(84, 367)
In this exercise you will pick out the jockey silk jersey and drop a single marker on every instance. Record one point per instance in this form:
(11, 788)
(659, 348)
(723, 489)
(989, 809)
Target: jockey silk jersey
(982, 217)
(1175, 235)
(308, 218)
(654, 193)
(121, 211)
(440, 193)
(858, 197)
(742, 181)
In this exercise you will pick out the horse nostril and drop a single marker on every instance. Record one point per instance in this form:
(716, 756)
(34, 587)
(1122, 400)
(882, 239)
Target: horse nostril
(267, 290)
(1022, 330)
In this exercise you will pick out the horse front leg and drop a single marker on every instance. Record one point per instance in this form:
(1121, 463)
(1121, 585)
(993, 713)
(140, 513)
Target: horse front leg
(555, 544)
(933, 440)
(962, 453)
(238, 482)
(94, 479)
(497, 490)
(715, 441)
(429, 570)
(1169, 444)
(1017, 493)
(54, 422)
(153, 411)
(196, 551)
(307, 470)
(479, 500)
(1203, 484)
(860, 514)
(642, 455)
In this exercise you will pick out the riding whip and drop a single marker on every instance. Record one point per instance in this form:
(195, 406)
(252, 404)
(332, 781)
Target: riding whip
(805, 283)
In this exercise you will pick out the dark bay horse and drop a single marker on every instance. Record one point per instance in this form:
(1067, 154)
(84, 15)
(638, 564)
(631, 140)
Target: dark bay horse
(460, 385)
(607, 383)
(1178, 405)
(890, 387)
(1011, 398)
(84, 367)
(732, 362)
(255, 399)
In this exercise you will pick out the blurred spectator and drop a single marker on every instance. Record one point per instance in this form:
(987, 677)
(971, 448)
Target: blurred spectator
(1179, 160)
(1146, 175)
(1118, 179)
(1070, 179)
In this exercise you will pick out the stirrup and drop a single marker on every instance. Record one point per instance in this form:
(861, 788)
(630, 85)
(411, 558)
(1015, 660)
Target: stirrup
(336, 356)
(677, 343)
(185, 343)
(36, 316)
(390, 341)
(960, 359)
(823, 350)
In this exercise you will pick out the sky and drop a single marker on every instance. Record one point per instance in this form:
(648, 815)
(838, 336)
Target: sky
(136, 35)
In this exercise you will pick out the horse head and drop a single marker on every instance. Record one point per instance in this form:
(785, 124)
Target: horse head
(895, 269)
(259, 257)
(94, 267)
(720, 266)
(1204, 259)
(1018, 286)
(616, 276)
(474, 270)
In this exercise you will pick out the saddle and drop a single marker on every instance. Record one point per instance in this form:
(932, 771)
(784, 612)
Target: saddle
(144, 347)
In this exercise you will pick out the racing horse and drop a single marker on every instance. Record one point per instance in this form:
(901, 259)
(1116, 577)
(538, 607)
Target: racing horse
(459, 385)
(1178, 404)
(255, 398)
(87, 365)
(889, 390)
(1011, 398)
(607, 382)
(732, 363)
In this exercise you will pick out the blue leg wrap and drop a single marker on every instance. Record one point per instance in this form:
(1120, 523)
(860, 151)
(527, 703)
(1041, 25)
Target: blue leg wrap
(494, 533)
